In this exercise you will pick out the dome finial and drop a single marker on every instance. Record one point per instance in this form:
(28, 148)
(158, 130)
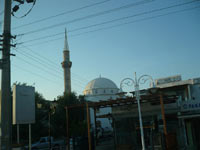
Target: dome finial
(66, 46)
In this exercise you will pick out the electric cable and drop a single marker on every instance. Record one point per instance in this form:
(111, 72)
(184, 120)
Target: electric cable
(60, 14)
(114, 26)
(46, 71)
(46, 60)
(47, 66)
(89, 16)
(25, 70)
(38, 67)
(110, 21)
(26, 12)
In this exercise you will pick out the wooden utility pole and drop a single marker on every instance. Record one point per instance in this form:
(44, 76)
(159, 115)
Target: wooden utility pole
(5, 102)
(164, 120)
(88, 124)
(163, 114)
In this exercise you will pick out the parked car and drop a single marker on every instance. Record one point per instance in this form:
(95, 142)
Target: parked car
(46, 143)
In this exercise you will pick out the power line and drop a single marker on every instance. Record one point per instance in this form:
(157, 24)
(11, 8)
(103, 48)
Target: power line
(25, 70)
(44, 70)
(38, 61)
(60, 14)
(46, 60)
(38, 67)
(90, 16)
(34, 2)
(37, 54)
(111, 21)
(43, 63)
(33, 73)
(46, 63)
(130, 22)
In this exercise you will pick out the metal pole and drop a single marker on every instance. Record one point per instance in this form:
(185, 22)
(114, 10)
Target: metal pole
(17, 133)
(139, 111)
(95, 123)
(115, 136)
(5, 102)
(67, 123)
(29, 136)
(49, 129)
(88, 123)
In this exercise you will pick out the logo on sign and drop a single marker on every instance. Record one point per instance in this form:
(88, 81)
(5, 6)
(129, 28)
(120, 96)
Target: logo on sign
(190, 105)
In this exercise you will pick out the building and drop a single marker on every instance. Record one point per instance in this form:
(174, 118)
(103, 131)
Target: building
(97, 90)
(174, 126)
(66, 65)
(188, 114)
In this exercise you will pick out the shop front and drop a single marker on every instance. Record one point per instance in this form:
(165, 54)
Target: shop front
(189, 115)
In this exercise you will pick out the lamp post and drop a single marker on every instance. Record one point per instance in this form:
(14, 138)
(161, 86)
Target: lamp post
(141, 80)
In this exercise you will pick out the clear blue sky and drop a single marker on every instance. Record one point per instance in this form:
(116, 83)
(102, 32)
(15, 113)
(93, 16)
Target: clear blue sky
(161, 46)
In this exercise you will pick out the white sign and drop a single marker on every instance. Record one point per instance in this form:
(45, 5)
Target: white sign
(190, 105)
(168, 80)
(23, 104)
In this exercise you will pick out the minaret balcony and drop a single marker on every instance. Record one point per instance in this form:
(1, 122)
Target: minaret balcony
(66, 64)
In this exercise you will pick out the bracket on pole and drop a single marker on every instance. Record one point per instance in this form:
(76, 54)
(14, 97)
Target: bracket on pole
(12, 54)
(14, 37)
(13, 45)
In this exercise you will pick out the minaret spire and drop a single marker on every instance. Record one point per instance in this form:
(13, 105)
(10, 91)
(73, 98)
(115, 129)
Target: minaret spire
(66, 65)
(66, 46)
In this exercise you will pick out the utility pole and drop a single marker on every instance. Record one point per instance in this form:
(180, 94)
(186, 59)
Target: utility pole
(5, 102)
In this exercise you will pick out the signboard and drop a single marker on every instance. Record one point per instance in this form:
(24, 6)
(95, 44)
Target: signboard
(190, 105)
(23, 104)
(168, 80)
(196, 81)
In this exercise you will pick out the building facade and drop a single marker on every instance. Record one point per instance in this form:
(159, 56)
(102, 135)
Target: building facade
(181, 114)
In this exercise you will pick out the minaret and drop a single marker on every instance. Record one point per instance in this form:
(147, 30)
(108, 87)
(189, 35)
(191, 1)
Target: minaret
(66, 65)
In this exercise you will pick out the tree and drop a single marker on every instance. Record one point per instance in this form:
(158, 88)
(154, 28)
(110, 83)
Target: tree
(77, 125)
(40, 127)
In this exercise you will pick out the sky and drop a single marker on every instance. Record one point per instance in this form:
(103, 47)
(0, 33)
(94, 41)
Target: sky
(107, 38)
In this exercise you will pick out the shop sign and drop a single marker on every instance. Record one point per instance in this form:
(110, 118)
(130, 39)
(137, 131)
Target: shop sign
(190, 105)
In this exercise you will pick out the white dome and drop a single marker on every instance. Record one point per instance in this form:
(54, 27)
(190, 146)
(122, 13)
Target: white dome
(100, 86)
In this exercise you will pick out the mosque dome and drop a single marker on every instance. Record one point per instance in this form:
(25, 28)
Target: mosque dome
(101, 86)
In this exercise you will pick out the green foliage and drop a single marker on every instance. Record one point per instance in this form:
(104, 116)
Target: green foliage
(40, 128)
(77, 125)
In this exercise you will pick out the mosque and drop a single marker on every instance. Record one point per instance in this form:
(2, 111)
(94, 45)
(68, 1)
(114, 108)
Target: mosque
(96, 90)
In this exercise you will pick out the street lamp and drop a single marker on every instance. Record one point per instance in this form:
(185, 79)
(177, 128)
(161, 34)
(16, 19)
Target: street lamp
(129, 82)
